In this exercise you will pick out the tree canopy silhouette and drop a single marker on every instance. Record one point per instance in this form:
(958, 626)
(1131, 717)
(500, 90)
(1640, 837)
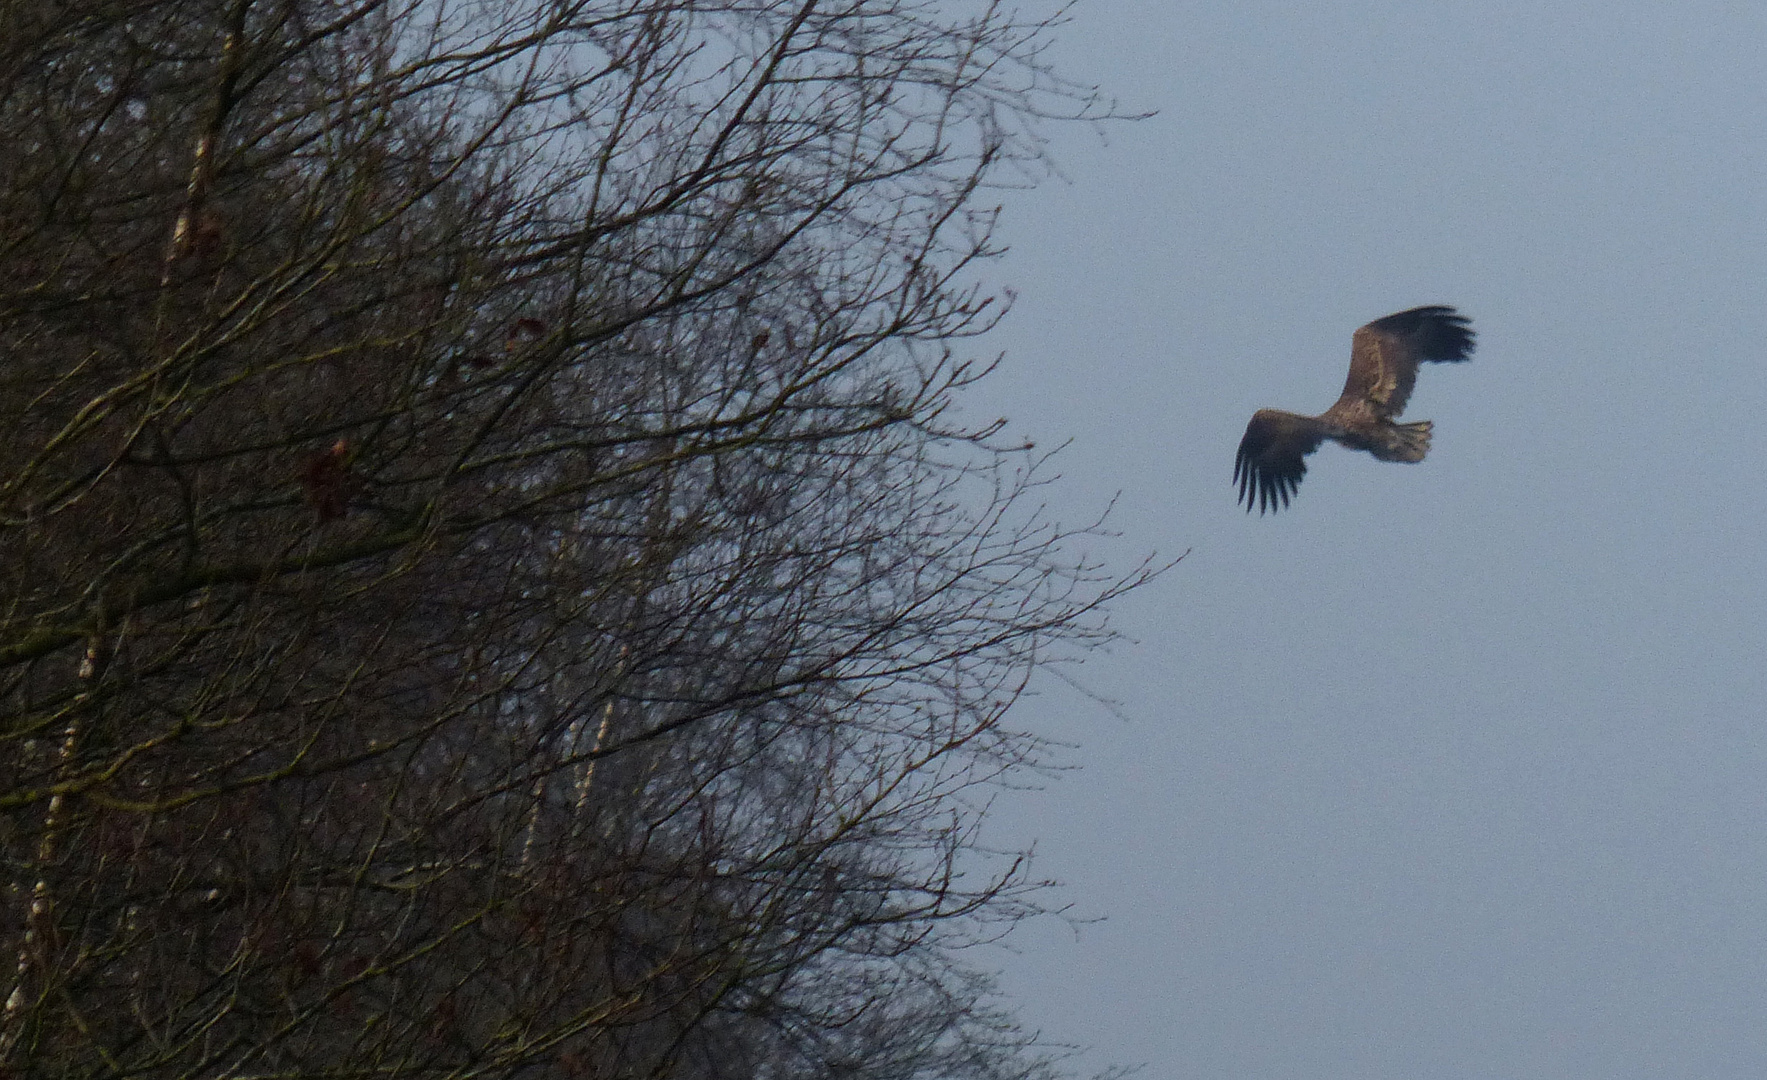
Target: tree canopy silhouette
(491, 579)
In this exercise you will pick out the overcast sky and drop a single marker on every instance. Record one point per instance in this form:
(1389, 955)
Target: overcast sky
(1456, 769)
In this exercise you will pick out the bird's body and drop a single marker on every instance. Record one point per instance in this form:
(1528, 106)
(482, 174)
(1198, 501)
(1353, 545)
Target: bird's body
(1383, 369)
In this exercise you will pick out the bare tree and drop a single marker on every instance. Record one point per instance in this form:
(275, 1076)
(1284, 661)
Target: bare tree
(492, 582)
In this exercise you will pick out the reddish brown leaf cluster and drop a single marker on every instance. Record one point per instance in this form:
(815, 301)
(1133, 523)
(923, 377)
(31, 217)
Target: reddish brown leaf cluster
(199, 233)
(328, 483)
(522, 333)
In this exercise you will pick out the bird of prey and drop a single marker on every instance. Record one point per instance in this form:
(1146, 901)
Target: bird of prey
(1383, 368)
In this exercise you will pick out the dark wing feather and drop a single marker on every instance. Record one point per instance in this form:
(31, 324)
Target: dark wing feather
(1384, 356)
(1269, 466)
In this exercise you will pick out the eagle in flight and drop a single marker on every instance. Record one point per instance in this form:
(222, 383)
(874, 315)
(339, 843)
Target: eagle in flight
(1383, 368)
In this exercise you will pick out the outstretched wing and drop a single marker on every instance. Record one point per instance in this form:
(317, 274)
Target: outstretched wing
(1269, 466)
(1384, 356)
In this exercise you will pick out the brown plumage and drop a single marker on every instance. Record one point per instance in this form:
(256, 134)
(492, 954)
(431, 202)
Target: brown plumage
(1383, 368)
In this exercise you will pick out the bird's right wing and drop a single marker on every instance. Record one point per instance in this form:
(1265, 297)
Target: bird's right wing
(1384, 356)
(1269, 466)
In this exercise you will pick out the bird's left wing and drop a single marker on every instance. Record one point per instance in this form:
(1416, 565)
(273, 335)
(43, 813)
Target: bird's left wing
(1269, 466)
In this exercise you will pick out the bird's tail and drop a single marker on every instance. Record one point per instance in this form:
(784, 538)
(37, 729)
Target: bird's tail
(1404, 442)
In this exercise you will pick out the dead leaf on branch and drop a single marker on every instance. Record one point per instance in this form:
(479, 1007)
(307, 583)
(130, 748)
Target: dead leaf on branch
(328, 482)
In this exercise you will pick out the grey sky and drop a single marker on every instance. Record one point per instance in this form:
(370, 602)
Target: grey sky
(1456, 769)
